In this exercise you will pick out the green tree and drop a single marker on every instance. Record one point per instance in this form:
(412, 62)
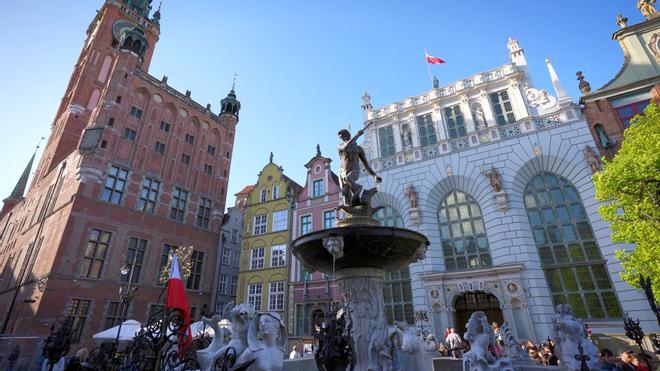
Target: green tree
(629, 184)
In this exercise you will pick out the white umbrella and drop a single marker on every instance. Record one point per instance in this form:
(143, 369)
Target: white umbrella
(196, 329)
(128, 330)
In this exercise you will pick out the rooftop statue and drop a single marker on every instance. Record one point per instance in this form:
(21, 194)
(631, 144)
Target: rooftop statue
(355, 197)
(647, 8)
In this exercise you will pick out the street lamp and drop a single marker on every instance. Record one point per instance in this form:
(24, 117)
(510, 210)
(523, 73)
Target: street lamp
(125, 297)
(288, 194)
(646, 283)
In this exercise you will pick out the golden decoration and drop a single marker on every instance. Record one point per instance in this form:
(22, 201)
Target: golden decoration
(185, 265)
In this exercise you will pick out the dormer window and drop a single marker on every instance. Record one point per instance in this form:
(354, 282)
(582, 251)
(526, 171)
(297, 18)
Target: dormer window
(317, 188)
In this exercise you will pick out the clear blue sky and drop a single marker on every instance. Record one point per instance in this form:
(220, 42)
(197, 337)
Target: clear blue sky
(302, 65)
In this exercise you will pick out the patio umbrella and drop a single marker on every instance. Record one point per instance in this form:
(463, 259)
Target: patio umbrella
(128, 330)
(198, 327)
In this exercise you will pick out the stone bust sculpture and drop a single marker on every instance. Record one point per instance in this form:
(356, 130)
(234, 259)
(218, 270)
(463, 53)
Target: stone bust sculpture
(266, 339)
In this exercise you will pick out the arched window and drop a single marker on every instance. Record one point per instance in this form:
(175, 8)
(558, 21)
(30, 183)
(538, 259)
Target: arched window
(397, 291)
(604, 140)
(570, 256)
(464, 242)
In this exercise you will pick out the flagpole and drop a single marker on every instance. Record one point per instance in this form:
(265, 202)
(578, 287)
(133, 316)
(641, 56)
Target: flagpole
(428, 66)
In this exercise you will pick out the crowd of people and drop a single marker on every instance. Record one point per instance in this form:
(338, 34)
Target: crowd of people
(544, 353)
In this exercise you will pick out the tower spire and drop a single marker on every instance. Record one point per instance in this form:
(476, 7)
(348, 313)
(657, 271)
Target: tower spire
(559, 88)
(230, 105)
(19, 189)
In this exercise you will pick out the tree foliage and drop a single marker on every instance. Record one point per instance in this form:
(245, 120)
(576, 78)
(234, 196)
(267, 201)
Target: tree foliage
(629, 185)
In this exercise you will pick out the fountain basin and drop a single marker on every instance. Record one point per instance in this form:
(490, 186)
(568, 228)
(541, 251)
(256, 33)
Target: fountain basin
(365, 246)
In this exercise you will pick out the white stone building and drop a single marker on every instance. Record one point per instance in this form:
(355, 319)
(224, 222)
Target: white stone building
(514, 243)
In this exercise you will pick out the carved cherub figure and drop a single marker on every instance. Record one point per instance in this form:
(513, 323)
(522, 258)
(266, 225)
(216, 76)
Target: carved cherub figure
(334, 245)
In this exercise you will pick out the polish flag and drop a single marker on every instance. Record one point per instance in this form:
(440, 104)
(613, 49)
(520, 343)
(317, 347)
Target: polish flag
(432, 60)
(176, 299)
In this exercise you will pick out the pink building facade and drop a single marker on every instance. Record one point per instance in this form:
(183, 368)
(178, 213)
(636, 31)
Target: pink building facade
(310, 293)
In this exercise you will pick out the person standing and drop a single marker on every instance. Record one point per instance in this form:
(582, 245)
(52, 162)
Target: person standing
(626, 361)
(295, 353)
(497, 332)
(607, 361)
(455, 343)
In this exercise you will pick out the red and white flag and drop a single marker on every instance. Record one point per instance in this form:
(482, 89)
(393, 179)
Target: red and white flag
(176, 299)
(432, 60)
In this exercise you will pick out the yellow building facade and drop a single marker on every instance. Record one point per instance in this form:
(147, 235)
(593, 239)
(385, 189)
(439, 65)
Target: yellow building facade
(265, 253)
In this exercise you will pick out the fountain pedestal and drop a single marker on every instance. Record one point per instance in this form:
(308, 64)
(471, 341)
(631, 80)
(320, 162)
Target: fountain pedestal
(362, 289)
(361, 256)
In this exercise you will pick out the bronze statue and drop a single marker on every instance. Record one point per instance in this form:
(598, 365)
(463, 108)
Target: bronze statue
(646, 8)
(495, 179)
(412, 196)
(350, 156)
(592, 159)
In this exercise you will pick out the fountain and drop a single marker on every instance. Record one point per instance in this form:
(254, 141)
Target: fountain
(358, 253)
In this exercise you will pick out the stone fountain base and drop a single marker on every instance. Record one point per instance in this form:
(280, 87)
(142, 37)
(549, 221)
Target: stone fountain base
(359, 255)
(362, 289)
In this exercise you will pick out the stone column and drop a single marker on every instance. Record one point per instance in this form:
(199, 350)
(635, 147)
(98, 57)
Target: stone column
(362, 289)
(517, 100)
(398, 146)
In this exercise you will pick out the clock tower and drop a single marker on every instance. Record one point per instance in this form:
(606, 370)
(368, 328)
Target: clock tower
(133, 169)
(122, 37)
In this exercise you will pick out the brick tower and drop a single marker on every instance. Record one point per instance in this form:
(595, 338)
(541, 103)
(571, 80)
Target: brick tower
(132, 168)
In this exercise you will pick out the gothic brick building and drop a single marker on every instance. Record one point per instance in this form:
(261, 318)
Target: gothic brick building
(132, 169)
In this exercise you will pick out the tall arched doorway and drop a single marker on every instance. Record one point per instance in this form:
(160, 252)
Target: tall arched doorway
(471, 302)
